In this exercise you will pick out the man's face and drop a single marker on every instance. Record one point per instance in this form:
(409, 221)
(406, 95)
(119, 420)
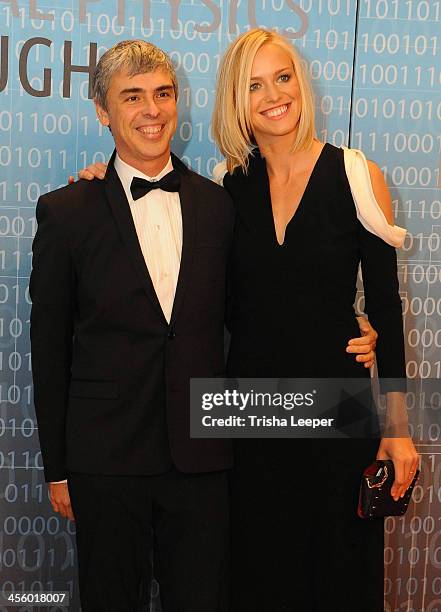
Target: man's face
(142, 114)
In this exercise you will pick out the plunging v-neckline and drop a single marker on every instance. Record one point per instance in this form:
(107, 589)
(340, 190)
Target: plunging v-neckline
(299, 205)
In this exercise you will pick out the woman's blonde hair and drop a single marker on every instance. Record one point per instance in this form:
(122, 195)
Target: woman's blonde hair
(231, 123)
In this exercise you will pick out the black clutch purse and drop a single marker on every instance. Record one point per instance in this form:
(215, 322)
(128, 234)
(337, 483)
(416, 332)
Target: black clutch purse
(375, 499)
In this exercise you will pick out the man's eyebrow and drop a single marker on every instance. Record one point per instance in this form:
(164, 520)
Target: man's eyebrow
(130, 90)
(137, 90)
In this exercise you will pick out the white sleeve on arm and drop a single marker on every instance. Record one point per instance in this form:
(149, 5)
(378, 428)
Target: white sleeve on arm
(58, 482)
(369, 212)
(219, 171)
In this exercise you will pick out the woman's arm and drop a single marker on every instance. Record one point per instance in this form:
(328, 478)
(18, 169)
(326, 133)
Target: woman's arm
(383, 305)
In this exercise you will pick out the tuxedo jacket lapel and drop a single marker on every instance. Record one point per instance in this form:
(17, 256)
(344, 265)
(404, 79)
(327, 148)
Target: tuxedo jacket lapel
(188, 198)
(121, 211)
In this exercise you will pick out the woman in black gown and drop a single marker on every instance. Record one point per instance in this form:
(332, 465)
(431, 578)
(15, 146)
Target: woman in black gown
(297, 542)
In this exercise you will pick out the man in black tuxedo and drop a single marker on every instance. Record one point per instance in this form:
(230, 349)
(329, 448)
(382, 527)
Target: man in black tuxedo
(128, 290)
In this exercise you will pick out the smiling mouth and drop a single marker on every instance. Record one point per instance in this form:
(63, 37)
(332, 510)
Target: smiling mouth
(276, 113)
(151, 131)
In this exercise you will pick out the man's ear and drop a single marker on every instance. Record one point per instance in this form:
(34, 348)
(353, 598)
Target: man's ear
(102, 115)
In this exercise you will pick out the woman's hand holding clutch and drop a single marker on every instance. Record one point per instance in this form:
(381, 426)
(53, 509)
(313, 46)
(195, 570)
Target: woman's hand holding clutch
(405, 458)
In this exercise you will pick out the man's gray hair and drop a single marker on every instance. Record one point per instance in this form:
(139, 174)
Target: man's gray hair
(134, 57)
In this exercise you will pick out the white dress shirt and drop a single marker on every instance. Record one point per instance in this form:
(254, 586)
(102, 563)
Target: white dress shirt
(158, 223)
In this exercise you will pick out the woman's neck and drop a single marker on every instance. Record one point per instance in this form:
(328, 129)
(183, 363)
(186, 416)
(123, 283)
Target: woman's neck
(281, 162)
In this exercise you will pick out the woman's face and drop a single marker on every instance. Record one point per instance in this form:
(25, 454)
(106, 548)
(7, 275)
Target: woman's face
(275, 101)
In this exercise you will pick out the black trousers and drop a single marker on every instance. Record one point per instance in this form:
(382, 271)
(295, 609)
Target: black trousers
(121, 519)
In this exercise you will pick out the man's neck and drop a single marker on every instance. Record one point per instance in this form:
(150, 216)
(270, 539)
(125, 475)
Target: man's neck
(149, 168)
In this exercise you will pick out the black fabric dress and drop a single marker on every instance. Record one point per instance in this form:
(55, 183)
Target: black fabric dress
(297, 542)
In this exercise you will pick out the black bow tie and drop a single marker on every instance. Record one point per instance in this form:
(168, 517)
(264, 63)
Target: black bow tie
(170, 182)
